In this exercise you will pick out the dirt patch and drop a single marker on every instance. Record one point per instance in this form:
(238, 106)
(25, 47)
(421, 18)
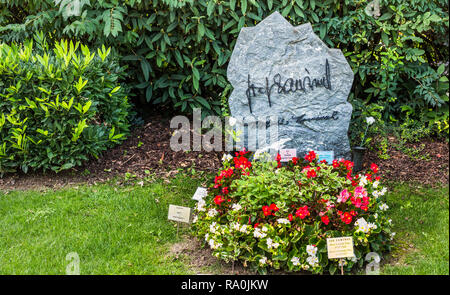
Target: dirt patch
(201, 259)
(147, 150)
(425, 162)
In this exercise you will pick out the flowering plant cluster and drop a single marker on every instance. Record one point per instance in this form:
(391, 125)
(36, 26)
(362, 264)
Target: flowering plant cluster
(267, 215)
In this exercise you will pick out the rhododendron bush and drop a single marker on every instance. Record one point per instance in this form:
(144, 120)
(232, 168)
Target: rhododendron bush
(269, 215)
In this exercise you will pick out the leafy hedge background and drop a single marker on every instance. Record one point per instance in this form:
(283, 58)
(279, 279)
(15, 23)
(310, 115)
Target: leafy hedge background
(177, 51)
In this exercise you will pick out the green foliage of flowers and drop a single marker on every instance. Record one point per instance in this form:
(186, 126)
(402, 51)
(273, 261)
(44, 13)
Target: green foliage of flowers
(178, 50)
(59, 105)
(271, 216)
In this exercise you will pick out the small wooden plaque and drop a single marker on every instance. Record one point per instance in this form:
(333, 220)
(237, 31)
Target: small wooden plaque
(340, 247)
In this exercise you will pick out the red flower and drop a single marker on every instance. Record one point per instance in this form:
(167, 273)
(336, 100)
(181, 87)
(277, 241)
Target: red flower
(218, 200)
(266, 210)
(325, 219)
(377, 178)
(225, 190)
(335, 163)
(311, 156)
(273, 207)
(346, 218)
(278, 157)
(294, 160)
(302, 212)
(242, 162)
(290, 217)
(374, 167)
(256, 225)
(311, 173)
(353, 213)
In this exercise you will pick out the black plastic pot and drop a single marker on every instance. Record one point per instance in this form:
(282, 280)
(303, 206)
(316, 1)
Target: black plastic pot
(358, 157)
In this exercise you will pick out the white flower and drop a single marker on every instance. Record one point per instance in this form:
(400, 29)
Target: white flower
(295, 261)
(243, 229)
(375, 183)
(363, 181)
(264, 229)
(375, 215)
(390, 221)
(195, 219)
(236, 207)
(213, 244)
(270, 244)
(311, 250)
(372, 225)
(313, 261)
(383, 191)
(258, 233)
(370, 120)
(201, 205)
(392, 236)
(263, 260)
(235, 226)
(383, 207)
(226, 157)
(212, 212)
(232, 121)
(376, 194)
(206, 237)
(305, 267)
(283, 221)
(212, 227)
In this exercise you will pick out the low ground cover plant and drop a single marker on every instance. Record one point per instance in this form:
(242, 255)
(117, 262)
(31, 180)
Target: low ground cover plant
(59, 105)
(270, 216)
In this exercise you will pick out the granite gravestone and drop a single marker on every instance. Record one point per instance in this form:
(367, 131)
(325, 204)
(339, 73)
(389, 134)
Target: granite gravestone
(280, 70)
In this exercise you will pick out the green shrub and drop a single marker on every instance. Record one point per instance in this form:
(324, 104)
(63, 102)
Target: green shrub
(178, 50)
(58, 106)
(274, 217)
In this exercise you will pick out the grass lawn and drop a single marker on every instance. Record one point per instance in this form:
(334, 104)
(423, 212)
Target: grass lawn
(123, 229)
(114, 229)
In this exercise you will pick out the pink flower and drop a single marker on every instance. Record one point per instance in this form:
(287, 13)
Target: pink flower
(343, 197)
(360, 192)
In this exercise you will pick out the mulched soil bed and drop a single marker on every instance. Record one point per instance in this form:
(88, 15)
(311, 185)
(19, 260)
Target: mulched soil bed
(428, 165)
(148, 148)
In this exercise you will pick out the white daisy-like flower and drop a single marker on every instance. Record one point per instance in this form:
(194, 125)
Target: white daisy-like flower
(212, 212)
(283, 221)
(384, 207)
(311, 250)
(372, 225)
(313, 261)
(375, 183)
(236, 207)
(295, 261)
(383, 191)
(376, 194)
(264, 229)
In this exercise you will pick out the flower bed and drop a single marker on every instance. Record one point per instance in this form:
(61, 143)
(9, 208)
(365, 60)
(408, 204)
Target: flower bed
(272, 216)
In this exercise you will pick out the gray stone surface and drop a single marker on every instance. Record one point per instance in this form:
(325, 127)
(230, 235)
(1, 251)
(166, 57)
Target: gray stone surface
(279, 57)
